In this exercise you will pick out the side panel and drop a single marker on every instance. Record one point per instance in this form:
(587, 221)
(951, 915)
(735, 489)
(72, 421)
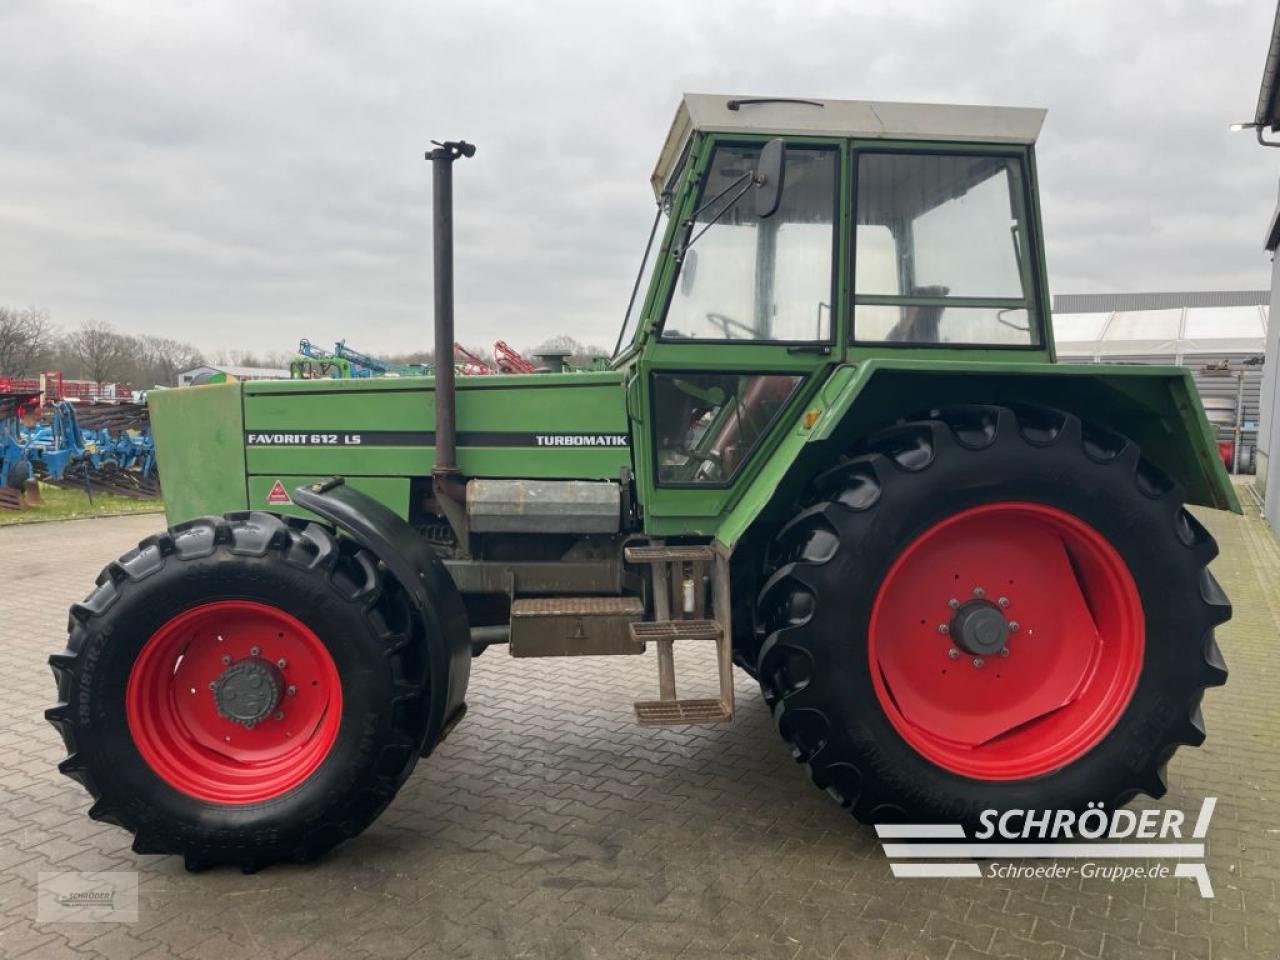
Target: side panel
(379, 433)
(199, 434)
(1155, 406)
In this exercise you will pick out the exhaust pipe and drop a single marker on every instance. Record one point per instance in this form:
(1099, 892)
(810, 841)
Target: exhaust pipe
(449, 488)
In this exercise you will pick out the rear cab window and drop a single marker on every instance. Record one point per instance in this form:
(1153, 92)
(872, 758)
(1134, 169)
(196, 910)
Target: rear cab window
(941, 250)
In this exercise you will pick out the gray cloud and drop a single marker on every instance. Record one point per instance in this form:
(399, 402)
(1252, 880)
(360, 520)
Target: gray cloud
(243, 174)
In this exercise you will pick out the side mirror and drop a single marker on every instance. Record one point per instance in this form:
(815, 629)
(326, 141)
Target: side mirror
(768, 177)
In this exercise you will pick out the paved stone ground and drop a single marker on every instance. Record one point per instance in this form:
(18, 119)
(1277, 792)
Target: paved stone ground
(549, 826)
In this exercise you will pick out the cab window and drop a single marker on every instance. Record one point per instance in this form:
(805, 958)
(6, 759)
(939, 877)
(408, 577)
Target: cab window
(940, 254)
(708, 424)
(759, 280)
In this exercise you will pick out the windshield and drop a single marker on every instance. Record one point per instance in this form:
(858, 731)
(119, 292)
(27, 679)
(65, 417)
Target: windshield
(757, 279)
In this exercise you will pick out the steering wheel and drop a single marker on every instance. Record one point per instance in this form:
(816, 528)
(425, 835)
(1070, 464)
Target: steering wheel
(706, 466)
(725, 322)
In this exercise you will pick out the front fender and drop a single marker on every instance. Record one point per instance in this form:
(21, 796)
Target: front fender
(1156, 406)
(419, 571)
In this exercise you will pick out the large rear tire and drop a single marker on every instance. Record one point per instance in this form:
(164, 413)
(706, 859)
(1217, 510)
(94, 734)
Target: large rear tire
(989, 609)
(242, 690)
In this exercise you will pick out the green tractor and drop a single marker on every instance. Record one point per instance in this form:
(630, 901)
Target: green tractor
(833, 446)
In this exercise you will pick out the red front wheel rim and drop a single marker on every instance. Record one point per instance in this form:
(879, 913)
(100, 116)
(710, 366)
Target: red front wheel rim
(1006, 641)
(234, 702)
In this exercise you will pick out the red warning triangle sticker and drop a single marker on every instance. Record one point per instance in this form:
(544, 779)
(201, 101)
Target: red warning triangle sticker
(278, 494)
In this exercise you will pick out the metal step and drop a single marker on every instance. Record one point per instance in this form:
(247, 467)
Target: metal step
(676, 630)
(669, 577)
(668, 554)
(574, 626)
(661, 713)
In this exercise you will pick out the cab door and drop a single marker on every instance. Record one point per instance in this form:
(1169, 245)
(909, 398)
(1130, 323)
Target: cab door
(742, 331)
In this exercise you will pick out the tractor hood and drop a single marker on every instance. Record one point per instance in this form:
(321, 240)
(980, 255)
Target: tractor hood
(264, 438)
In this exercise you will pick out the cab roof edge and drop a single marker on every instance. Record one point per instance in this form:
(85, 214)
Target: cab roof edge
(871, 119)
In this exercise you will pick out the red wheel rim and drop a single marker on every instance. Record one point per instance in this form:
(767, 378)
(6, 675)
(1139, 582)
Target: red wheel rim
(182, 727)
(1070, 649)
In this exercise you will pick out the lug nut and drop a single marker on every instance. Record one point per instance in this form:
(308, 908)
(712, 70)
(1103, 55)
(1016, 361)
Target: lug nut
(225, 660)
(1013, 626)
(953, 653)
(213, 685)
(953, 603)
(282, 663)
(943, 629)
(1004, 651)
(979, 592)
(1003, 601)
(291, 690)
(979, 663)
(254, 651)
(279, 714)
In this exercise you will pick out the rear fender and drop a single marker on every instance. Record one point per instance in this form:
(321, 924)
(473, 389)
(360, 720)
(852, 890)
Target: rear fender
(1155, 406)
(416, 567)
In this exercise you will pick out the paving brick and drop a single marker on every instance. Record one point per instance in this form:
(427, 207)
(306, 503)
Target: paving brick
(549, 826)
(1088, 942)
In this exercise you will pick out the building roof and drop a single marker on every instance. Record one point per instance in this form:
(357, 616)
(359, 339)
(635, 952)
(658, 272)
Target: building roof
(244, 373)
(872, 119)
(1164, 326)
(1110, 302)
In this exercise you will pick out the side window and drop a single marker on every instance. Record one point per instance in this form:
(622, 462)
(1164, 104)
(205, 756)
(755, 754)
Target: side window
(753, 279)
(941, 251)
(707, 424)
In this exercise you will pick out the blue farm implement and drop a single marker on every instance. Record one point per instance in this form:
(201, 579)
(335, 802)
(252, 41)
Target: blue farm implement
(19, 410)
(101, 448)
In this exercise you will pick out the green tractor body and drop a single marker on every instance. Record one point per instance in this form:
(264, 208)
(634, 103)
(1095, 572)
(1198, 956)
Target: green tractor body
(834, 441)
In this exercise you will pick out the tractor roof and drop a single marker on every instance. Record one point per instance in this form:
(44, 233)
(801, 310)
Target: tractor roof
(721, 113)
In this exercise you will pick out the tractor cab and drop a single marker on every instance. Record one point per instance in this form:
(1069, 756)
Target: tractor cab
(889, 230)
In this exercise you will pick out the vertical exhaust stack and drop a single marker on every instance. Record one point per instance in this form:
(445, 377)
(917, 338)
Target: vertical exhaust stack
(449, 489)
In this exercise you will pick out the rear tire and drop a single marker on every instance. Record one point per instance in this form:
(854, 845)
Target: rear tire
(859, 619)
(164, 756)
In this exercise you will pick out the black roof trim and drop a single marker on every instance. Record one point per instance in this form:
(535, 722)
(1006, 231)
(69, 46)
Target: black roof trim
(1267, 114)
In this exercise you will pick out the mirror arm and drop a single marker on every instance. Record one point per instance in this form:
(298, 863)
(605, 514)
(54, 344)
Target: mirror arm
(746, 181)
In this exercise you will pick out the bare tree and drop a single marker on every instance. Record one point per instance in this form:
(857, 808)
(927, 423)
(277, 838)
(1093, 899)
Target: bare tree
(157, 361)
(26, 338)
(101, 353)
(580, 354)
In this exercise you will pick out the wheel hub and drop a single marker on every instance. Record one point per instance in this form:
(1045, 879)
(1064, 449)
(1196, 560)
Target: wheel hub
(234, 701)
(979, 627)
(248, 691)
(1020, 686)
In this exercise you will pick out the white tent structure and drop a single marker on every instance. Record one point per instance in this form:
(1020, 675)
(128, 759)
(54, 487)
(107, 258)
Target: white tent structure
(1220, 336)
(1166, 335)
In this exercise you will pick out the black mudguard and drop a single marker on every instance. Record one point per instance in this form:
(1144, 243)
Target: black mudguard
(415, 565)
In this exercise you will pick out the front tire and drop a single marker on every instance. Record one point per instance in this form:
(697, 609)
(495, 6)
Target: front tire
(986, 608)
(242, 690)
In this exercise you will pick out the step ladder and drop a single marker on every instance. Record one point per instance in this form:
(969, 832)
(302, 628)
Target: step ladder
(673, 567)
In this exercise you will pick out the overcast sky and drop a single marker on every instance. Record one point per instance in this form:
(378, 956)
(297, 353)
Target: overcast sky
(242, 174)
